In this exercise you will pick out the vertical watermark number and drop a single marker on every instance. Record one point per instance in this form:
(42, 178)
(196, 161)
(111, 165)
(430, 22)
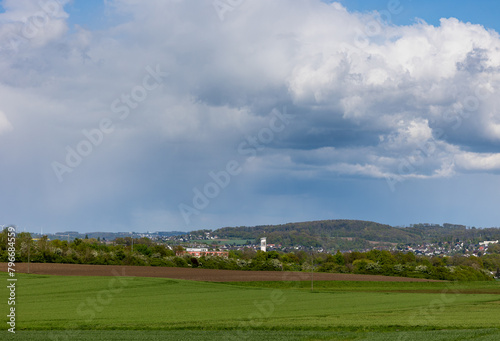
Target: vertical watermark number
(11, 280)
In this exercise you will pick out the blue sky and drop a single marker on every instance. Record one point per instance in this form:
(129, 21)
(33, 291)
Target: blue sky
(482, 12)
(90, 14)
(126, 115)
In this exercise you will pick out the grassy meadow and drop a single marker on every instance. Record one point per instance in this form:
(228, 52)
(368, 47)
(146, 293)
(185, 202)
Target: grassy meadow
(135, 308)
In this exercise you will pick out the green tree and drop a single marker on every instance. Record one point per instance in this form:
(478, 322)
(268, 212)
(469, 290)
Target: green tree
(339, 258)
(4, 238)
(290, 258)
(494, 248)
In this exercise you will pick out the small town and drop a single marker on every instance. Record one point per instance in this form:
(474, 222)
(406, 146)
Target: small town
(211, 242)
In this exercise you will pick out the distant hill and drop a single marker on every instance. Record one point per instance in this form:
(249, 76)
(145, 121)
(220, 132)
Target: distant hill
(355, 234)
(107, 235)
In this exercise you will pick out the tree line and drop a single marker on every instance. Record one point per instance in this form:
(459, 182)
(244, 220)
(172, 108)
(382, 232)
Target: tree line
(145, 252)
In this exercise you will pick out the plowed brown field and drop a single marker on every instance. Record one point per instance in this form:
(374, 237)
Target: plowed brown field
(193, 274)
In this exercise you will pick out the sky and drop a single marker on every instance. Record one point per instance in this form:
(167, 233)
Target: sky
(173, 115)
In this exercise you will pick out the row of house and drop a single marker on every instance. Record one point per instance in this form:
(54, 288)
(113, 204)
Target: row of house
(199, 252)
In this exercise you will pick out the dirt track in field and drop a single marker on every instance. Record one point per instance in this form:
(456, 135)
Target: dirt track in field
(194, 274)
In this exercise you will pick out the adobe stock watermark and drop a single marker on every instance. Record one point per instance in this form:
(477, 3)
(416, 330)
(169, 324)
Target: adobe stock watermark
(93, 305)
(263, 310)
(222, 7)
(123, 106)
(374, 27)
(455, 117)
(437, 306)
(33, 25)
(219, 180)
(11, 282)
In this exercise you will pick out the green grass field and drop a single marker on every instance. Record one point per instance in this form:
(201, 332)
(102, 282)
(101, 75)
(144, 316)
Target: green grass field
(133, 308)
(420, 287)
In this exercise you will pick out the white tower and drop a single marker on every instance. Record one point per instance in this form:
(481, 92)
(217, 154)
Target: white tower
(263, 244)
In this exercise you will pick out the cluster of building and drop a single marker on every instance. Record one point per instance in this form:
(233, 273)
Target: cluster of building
(448, 249)
(424, 249)
(203, 251)
(205, 242)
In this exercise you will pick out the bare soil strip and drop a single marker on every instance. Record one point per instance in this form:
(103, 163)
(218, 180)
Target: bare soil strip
(194, 274)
